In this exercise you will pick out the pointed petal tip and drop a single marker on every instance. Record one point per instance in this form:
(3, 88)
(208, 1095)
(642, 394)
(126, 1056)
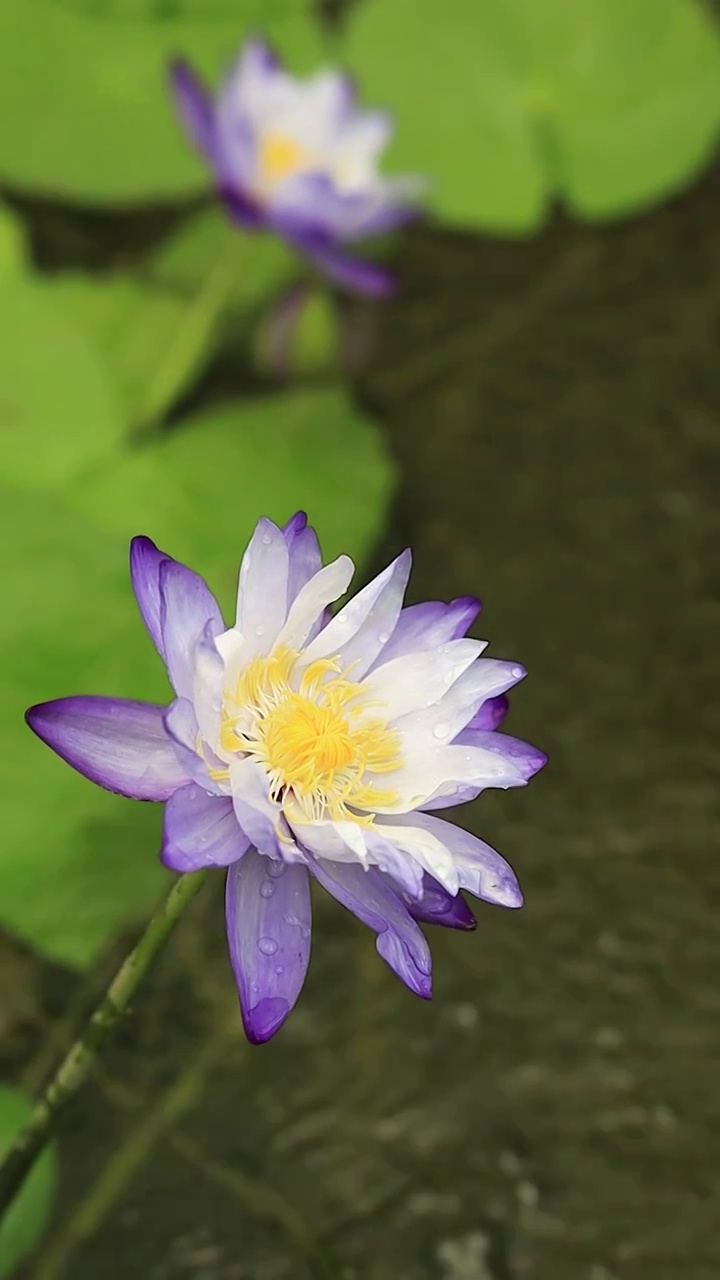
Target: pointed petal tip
(509, 894)
(265, 1019)
(297, 522)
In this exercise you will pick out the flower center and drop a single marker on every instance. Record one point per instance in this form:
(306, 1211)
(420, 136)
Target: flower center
(279, 157)
(311, 732)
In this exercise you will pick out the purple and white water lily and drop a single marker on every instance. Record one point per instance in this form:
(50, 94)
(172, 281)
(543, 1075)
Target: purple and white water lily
(298, 158)
(304, 746)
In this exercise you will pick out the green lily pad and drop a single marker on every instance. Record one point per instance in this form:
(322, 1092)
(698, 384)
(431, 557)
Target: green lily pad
(58, 412)
(605, 105)
(28, 1216)
(199, 489)
(77, 863)
(87, 91)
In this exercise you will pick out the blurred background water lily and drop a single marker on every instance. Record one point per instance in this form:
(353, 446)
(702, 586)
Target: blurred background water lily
(300, 158)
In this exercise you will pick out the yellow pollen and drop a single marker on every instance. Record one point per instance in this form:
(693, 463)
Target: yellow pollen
(311, 732)
(279, 158)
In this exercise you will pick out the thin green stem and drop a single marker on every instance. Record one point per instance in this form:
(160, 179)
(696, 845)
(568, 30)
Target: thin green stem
(189, 344)
(76, 1065)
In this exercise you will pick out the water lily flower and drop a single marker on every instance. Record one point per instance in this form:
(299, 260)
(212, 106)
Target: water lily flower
(298, 158)
(301, 745)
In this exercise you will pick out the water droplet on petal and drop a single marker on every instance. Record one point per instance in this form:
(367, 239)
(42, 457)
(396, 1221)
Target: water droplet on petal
(279, 968)
(276, 869)
(305, 932)
(384, 637)
(442, 729)
(259, 631)
(517, 672)
(254, 987)
(266, 539)
(268, 946)
(267, 889)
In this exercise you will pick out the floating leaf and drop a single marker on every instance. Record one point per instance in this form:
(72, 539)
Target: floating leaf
(84, 95)
(25, 1221)
(460, 106)
(199, 489)
(77, 863)
(58, 413)
(606, 104)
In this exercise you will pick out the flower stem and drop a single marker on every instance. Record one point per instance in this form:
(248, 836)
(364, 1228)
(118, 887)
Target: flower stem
(76, 1066)
(189, 344)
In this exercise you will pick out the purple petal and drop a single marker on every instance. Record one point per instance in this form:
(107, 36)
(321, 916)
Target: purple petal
(357, 633)
(267, 907)
(184, 733)
(295, 525)
(370, 896)
(526, 759)
(355, 274)
(195, 108)
(437, 906)
(118, 744)
(200, 830)
(425, 626)
(187, 606)
(490, 714)
(260, 817)
(481, 869)
(312, 205)
(258, 59)
(305, 557)
(145, 561)
(242, 208)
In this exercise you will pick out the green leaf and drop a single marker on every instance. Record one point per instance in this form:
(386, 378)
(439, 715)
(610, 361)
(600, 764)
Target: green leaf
(156, 328)
(27, 1218)
(77, 863)
(87, 92)
(630, 98)
(460, 107)
(58, 414)
(14, 251)
(605, 104)
(199, 489)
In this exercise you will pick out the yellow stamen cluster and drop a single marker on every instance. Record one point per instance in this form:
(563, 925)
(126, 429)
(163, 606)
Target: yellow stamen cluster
(279, 157)
(311, 732)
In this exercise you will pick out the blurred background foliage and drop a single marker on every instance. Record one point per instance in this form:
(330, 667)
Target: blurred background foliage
(509, 106)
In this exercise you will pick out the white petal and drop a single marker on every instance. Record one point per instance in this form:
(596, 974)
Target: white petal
(419, 680)
(312, 600)
(481, 869)
(425, 847)
(260, 817)
(439, 770)
(207, 690)
(336, 841)
(369, 610)
(262, 591)
(442, 722)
